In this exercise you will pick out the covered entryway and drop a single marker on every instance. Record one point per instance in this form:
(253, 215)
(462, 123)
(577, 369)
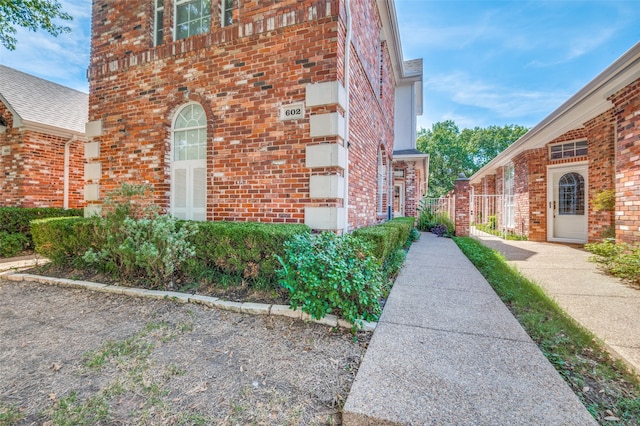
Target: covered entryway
(567, 204)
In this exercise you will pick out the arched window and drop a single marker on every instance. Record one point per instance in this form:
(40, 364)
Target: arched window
(571, 194)
(189, 164)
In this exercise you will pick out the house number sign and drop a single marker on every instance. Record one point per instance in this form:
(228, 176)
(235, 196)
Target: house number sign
(292, 111)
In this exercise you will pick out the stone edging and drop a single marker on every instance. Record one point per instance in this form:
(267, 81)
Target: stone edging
(212, 302)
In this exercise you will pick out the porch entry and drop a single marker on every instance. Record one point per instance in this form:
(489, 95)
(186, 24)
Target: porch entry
(567, 204)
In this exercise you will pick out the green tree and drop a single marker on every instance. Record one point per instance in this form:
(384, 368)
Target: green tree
(452, 152)
(30, 14)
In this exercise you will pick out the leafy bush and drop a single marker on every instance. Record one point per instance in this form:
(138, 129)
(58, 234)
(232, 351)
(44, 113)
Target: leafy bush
(327, 273)
(605, 200)
(619, 259)
(63, 239)
(12, 244)
(236, 251)
(17, 220)
(135, 243)
(428, 221)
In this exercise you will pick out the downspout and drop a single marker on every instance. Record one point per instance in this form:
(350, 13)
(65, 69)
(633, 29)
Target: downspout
(347, 60)
(65, 196)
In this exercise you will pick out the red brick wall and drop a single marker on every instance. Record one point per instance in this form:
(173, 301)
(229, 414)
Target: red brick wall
(240, 74)
(537, 203)
(32, 174)
(601, 153)
(627, 112)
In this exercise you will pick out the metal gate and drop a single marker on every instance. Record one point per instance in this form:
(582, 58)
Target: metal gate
(487, 215)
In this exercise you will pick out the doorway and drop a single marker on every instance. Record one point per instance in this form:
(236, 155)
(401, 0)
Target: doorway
(567, 204)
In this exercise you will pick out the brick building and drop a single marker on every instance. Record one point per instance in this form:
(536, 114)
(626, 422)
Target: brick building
(255, 110)
(42, 134)
(588, 147)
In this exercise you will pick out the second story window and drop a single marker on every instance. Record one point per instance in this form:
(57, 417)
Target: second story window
(192, 17)
(158, 23)
(227, 12)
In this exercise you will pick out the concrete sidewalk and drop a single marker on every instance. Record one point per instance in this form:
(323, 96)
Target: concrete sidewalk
(447, 351)
(602, 304)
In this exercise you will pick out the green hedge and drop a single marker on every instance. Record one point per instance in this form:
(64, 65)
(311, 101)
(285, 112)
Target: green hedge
(386, 237)
(241, 249)
(63, 240)
(15, 228)
(16, 220)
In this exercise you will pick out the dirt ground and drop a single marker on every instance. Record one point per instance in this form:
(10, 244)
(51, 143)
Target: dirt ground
(70, 356)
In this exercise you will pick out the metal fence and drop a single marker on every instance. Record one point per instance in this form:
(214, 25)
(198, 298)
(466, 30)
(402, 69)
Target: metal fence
(487, 215)
(439, 206)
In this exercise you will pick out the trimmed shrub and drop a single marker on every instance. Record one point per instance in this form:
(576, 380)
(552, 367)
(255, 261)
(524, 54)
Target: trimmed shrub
(331, 274)
(387, 237)
(241, 250)
(383, 240)
(404, 226)
(63, 239)
(12, 244)
(17, 220)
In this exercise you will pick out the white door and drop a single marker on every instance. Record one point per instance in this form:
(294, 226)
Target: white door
(568, 204)
(189, 164)
(398, 200)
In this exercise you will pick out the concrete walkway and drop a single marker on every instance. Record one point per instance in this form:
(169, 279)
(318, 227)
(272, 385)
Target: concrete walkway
(602, 304)
(447, 351)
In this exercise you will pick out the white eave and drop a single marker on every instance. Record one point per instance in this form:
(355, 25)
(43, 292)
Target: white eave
(403, 74)
(589, 102)
(50, 130)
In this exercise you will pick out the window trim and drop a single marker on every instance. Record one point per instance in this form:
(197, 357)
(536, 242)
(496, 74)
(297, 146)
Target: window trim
(177, 3)
(226, 11)
(508, 195)
(158, 22)
(568, 149)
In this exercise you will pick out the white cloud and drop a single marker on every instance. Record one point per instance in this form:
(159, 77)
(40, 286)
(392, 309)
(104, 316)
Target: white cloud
(63, 59)
(504, 103)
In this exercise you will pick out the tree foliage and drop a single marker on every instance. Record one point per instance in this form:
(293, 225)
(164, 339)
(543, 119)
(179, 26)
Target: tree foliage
(30, 14)
(452, 151)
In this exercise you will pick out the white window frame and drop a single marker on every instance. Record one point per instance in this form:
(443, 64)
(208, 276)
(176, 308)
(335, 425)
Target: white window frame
(189, 168)
(226, 13)
(158, 22)
(508, 197)
(381, 175)
(573, 149)
(178, 3)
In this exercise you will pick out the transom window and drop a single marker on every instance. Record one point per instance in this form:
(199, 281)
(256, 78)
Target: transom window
(192, 17)
(567, 150)
(571, 194)
(190, 134)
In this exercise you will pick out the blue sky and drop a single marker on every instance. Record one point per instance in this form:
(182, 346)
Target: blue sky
(485, 62)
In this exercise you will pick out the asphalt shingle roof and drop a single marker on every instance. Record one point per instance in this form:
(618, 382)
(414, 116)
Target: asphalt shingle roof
(42, 101)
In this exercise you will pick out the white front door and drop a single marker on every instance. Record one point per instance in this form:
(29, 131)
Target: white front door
(567, 204)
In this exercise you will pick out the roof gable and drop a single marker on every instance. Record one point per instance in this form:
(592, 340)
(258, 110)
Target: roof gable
(37, 101)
